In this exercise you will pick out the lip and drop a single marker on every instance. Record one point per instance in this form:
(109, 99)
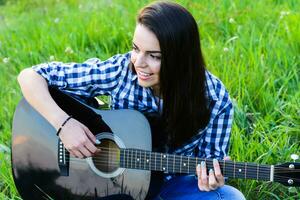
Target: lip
(142, 75)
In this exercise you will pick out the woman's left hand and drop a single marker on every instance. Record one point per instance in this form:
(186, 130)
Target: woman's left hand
(213, 180)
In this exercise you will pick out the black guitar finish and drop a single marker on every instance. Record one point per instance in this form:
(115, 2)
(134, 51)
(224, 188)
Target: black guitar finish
(126, 167)
(35, 156)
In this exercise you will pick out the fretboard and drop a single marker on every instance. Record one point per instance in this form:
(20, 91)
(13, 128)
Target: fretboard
(171, 163)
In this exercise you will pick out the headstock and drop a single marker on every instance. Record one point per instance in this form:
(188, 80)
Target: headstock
(288, 174)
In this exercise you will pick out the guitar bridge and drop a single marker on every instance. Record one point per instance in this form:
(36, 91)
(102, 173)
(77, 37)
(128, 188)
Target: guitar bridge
(63, 159)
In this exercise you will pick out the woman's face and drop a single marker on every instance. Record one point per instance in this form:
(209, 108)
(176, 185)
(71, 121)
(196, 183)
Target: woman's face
(146, 57)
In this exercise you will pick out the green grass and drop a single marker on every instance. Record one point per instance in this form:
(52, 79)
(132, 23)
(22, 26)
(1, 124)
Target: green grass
(252, 46)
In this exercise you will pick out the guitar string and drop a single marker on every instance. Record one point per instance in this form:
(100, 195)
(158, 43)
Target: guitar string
(104, 162)
(237, 176)
(191, 161)
(184, 170)
(277, 178)
(240, 164)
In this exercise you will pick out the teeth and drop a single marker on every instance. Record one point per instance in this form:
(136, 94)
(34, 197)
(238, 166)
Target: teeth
(144, 74)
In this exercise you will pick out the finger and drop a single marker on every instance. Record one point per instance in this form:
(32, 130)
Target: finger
(89, 143)
(198, 170)
(91, 147)
(218, 173)
(77, 154)
(203, 177)
(85, 152)
(227, 158)
(213, 184)
(200, 184)
(90, 135)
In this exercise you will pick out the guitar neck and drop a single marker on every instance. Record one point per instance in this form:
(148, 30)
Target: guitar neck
(171, 163)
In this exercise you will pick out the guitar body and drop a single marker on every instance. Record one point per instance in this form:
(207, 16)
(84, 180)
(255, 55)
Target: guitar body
(125, 168)
(35, 156)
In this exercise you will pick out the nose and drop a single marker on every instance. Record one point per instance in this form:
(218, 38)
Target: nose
(140, 60)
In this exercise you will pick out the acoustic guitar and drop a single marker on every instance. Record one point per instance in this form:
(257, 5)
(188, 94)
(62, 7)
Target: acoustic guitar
(126, 167)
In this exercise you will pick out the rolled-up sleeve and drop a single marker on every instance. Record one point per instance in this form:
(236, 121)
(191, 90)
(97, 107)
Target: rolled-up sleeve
(89, 79)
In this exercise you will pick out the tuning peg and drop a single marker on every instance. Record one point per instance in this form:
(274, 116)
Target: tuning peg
(294, 157)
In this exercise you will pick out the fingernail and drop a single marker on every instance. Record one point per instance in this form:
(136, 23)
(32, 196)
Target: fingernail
(215, 160)
(211, 171)
(98, 141)
(202, 163)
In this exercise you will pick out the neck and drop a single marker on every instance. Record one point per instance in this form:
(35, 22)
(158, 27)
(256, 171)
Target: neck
(145, 160)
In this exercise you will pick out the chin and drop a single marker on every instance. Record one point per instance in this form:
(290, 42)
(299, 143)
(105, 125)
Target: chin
(145, 84)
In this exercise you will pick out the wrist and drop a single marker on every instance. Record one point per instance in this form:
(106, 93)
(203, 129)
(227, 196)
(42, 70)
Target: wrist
(58, 120)
(63, 124)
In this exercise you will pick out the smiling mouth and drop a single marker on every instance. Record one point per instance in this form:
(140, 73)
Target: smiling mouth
(143, 74)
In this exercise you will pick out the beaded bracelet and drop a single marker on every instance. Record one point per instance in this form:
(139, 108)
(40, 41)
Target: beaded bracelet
(57, 133)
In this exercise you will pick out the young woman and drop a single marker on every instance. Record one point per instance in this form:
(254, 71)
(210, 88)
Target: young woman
(164, 73)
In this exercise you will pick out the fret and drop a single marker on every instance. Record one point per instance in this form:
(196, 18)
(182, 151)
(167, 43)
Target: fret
(126, 159)
(230, 168)
(153, 161)
(180, 163)
(170, 163)
(161, 157)
(173, 163)
(257, 171)
(184, 164)
(140, 162)
(167, 163)
(188, 165)
(158, 162)
(138, 159)
(233, 169)
(245, 170)
(130, 157)
(192, 160)
(209, 164)
(164, 163)
(150, 155)
(135, 159)
(196, 163)
(145, 158)
(121, 158)
(240, 171)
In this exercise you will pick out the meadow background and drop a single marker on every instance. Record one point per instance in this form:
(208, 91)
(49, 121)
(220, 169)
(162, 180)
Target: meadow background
(252, 46)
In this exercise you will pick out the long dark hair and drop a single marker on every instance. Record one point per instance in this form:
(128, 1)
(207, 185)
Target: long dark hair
(182, 74)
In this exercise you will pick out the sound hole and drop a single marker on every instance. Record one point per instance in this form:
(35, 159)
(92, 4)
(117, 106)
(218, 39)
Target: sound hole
(108, 159)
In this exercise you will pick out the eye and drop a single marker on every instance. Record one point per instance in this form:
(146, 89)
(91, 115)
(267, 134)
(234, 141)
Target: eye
(155, 57)
(135, 48)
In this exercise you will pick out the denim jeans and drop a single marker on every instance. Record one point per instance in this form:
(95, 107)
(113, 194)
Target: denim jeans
(186, 188)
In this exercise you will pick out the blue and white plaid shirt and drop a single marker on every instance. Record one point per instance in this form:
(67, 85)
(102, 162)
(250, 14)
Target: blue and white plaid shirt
(114, 77)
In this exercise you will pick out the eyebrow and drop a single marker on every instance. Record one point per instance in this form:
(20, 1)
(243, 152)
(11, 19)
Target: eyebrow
(146, 51)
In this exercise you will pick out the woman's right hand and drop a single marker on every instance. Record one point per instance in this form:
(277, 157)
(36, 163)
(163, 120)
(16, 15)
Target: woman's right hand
(78, 139)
